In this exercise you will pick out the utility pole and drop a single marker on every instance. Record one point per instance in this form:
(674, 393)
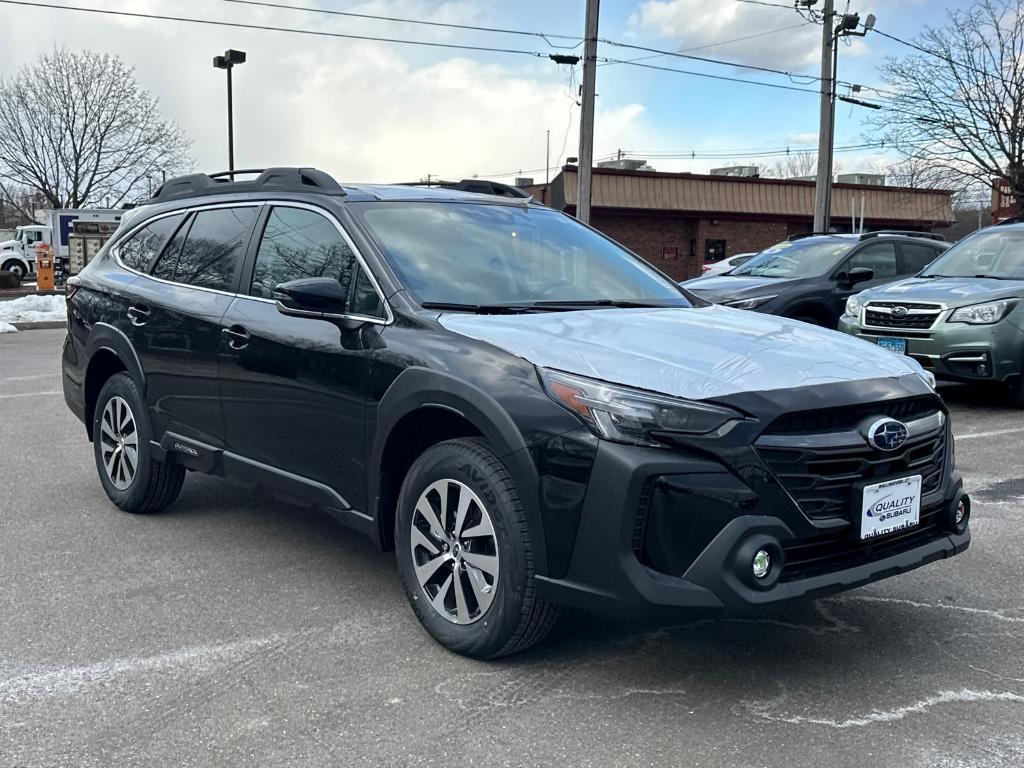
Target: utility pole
(823, 182)
(586, 160)
(547, 160)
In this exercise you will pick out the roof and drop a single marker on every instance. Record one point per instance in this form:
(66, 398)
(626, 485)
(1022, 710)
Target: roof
(782, 198)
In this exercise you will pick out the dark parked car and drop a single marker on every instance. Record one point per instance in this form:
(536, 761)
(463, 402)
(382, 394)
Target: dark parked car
(528, 414)
(809, 277)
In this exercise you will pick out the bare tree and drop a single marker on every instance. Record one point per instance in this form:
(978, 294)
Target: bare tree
(78, 128)
(795, 165)
(956, 113)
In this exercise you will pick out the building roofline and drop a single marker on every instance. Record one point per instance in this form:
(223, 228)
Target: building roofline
(743, 179)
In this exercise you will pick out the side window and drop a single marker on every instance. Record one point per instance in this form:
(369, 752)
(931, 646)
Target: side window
(917, 256)
(167, 262)
(365, 300)
(880, 257)
(138, 251)
(213, 247)
(297, 244)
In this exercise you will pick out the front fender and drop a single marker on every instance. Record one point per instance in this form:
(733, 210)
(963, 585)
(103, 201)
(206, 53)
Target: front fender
(417, 388)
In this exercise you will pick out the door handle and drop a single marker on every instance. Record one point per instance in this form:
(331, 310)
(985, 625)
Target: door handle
(138, 314)
(238, 337)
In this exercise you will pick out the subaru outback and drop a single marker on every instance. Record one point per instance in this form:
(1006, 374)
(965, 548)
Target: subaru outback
(529, 415)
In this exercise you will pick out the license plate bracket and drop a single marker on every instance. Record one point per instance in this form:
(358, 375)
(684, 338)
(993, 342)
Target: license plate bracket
(889, 506)
(893, 344)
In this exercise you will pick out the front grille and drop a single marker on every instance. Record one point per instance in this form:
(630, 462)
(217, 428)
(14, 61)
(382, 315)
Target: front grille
(821, 480)
(893, 314)
(805, 558)
(849, 417)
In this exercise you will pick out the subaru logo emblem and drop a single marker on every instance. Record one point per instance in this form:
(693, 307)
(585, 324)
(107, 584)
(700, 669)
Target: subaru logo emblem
(888, 434)
(899, 311)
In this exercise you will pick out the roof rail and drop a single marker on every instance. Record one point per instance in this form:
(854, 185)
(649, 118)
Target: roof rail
(1010, 220)
(281, 179)
(802, 235)
(904, 233)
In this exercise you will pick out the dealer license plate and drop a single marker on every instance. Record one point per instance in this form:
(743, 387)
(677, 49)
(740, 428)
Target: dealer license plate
(898, 346)
(890, 507)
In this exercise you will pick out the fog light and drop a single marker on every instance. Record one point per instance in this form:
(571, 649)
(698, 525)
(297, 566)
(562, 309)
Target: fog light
(961, 512)
(762, 564)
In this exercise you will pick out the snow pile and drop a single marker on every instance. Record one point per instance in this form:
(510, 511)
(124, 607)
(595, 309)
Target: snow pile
(7, 327)
(31, 309)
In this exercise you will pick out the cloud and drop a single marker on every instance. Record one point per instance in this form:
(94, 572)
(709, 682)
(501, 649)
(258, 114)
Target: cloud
(697, 23)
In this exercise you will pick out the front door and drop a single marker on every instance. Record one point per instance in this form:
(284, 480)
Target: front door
(293, 388)
(880, 258)
(175, 315)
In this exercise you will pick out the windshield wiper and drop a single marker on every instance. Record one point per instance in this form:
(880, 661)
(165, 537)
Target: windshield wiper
(479, 309)
(619, 303)
(995, 277)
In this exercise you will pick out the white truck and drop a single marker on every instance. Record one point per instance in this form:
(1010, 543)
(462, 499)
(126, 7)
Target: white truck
(19, 255)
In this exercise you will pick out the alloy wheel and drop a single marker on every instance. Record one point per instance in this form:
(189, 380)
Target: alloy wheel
(454, 551)
(119, 442)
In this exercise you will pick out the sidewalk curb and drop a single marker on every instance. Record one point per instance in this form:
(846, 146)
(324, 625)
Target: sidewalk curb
(41, 325)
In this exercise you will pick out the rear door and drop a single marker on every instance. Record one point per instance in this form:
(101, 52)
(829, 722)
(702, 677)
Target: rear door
(175, 316)
(916, 256)
(294, 387)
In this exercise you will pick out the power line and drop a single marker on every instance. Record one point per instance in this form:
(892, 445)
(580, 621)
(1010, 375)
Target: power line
(936, 54)
(269, 28)
(702, 74)
(423, 22)
(682, 55)
(769, 5)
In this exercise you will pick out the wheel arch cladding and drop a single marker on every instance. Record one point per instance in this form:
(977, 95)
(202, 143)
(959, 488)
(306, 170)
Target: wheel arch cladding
(108, 352)
(427, 407)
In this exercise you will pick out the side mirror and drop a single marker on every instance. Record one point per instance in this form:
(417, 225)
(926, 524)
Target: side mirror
(859, 275)
(311, 297)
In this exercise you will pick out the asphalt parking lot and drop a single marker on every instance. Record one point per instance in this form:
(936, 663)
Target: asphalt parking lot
(234, 631)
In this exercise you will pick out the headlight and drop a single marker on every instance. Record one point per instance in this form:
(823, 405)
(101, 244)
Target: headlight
(628, 415)
(853, 306)
(750, 303)
(983, 314)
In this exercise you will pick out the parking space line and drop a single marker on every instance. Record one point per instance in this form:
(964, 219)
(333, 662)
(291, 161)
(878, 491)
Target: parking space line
(993, 433)
(32, 394)
(53, 375)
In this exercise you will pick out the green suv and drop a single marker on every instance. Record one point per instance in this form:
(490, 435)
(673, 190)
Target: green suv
(962, 317)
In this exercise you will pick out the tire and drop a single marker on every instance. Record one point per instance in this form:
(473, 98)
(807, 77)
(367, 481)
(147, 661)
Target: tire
(810, 320)
(14, 267)
(482, 624)
(153, 485)
(1017, 392)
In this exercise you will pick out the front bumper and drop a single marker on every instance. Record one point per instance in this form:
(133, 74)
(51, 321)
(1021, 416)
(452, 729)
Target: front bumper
(956, 351)
(610, 571)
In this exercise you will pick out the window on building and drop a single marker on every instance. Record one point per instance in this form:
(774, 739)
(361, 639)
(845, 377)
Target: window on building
(670, 253)
(878, 257)
(714, 250)
(138, 251)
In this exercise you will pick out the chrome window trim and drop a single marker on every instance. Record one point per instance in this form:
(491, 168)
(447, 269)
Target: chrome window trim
(116, 256)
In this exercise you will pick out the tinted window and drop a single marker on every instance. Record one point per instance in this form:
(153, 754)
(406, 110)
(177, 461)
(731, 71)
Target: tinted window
(297, 244)
(365, 300)
(916, 257)
(879, 257)
(995, 252)
(214, 244)
(467, 253)
(168, 261)
(797, 258)
(138, 251)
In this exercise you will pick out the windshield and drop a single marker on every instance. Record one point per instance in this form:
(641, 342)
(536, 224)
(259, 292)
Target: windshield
(994, 252)
(799, 258)
(480, 254)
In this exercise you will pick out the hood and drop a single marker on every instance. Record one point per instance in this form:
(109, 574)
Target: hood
(8, 245)
(951, 291)
(693, 353)
(719, 289)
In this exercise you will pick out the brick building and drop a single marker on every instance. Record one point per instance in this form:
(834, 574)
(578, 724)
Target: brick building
(1003, 204)
(678, 221)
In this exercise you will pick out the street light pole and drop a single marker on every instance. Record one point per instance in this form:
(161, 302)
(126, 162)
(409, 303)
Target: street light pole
(227, 62)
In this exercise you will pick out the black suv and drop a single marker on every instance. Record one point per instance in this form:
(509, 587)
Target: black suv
(810, 277)
(529, 415)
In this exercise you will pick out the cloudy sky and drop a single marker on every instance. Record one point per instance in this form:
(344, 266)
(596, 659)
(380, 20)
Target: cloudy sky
(374, 111)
